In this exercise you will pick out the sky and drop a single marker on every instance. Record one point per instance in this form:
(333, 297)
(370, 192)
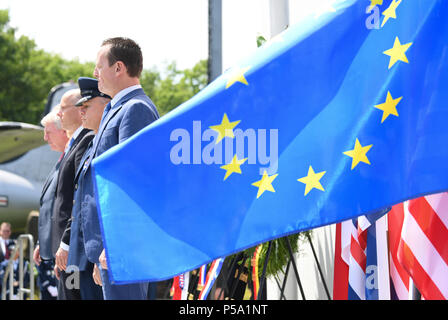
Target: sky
(166, 30)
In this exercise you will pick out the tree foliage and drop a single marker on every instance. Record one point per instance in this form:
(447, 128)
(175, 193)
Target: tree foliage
(27, 75)
(176, 86)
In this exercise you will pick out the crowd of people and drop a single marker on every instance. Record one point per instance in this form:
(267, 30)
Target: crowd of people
(103, 112)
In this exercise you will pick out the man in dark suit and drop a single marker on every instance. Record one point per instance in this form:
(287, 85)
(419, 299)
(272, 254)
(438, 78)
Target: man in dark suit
(118, 68)
(91, 107)
(57, 139)
(63, 203)
(6, 245)
(5, 241)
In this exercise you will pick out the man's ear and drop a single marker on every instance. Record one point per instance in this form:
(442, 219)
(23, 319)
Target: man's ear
(120, 67)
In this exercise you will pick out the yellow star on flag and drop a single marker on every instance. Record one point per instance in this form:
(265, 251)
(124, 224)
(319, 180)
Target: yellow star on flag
(389, 107)
(312, 180)
(225, 129)
(397, 52)
(375, 3)
(233, 167)
(358, 154)
(390, 12)
(265, 184)
(237, 75)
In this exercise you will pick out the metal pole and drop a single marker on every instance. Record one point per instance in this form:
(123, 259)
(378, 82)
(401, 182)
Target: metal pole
(318, 267)
(279, 13)
(10, 269)
(214, 39)
(11, 276)
(20, 268)
(414, 294)
(284, 280)
(31, 265)
(291, 254)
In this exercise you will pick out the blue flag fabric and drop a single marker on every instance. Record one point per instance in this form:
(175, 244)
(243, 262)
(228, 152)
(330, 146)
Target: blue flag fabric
(328, 121)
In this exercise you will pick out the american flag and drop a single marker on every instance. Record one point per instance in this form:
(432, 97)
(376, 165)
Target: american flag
(416, 247)
(423, 249)
(362, 250)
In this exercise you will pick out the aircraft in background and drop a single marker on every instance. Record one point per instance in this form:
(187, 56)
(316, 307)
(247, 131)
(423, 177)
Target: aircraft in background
(25, 162)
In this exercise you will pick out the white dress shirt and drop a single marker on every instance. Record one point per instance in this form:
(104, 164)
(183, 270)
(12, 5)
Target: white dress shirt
(122, 93)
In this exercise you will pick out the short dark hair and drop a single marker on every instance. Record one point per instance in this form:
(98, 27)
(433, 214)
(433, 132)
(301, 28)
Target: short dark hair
(126, 51)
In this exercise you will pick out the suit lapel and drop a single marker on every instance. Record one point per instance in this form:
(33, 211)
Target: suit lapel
(69, 152)
(112, 112)
(106, 120)
(85, 158)
(49, 179)
(77, 140)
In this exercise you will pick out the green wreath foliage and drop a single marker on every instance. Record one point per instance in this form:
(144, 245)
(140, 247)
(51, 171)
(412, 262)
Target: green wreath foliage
(278, 257)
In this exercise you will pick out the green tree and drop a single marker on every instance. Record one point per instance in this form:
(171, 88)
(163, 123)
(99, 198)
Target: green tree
(28, 74)
(176, 87)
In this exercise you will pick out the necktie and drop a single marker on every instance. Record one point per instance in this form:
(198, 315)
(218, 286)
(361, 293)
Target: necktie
(61, 157)
(70, 143)
(106, 110)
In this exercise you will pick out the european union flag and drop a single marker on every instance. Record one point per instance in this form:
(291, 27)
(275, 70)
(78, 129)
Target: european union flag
(330, 120)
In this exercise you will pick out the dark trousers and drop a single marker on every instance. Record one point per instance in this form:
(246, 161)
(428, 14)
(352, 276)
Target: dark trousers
(134, 291)
(67, 286)
(89, 290)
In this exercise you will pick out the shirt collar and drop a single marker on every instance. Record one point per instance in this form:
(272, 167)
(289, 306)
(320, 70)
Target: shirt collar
(77, 132)
(73, 138)
(124, 92)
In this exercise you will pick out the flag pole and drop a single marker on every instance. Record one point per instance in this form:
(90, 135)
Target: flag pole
(414, 294)
(282, 290)
(263, 275)
(214, 39)
(279, 16)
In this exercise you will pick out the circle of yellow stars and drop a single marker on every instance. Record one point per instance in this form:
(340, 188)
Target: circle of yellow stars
(359, 152)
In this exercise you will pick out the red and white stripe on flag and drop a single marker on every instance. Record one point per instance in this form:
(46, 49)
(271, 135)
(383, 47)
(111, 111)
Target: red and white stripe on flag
(357, 264)
(351, 259)
(398, 275)
(340, 281)
(423, 249)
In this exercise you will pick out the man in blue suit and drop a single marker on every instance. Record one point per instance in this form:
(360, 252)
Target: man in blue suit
(92, 103)
(118, 68)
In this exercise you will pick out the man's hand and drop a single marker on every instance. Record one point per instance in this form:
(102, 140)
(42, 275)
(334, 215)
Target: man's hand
(61, 259)
(96, 275)
(56, 272)
(102, 259)
(36, 256)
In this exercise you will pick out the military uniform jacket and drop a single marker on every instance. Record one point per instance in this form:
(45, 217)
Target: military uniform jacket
(129, 115)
